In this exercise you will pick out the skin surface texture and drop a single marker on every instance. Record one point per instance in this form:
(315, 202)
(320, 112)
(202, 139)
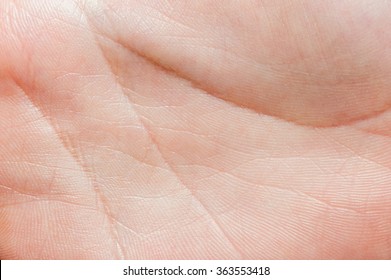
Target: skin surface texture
(178, 129)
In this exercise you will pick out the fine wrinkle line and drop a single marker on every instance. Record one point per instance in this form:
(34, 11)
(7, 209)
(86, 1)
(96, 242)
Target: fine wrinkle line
(179, 179)
(289, 190)
(102, 198)
(153, 141)
(68, 147)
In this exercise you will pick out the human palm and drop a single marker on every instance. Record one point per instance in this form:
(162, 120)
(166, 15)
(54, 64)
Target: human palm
(195, 129)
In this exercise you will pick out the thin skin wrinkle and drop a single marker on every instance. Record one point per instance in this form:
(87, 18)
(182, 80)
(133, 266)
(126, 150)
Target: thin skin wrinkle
(154, 142)
(176, 174)
(149, 132)
(103, 199)
(78, 159)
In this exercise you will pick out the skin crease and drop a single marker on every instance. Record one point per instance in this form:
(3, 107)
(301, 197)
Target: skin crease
(169, 129)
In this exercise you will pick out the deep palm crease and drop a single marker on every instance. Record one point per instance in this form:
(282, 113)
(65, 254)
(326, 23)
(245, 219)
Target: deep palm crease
(195, 129)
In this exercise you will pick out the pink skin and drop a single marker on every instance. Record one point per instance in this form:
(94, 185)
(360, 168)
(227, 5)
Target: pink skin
(195, 129)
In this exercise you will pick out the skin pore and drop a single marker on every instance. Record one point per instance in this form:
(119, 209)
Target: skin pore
(195, 129)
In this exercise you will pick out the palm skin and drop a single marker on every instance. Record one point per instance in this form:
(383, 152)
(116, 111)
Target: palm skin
(195, 129)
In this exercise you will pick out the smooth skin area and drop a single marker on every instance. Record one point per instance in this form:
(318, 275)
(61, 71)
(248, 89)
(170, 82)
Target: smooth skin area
(179, 129)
